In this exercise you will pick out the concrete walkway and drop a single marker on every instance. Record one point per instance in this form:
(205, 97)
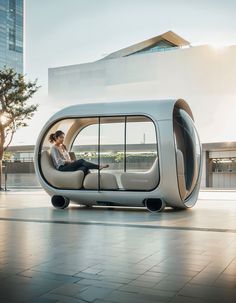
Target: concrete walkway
(117, 254)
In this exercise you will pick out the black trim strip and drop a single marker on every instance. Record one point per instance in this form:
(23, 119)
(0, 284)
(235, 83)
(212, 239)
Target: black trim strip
(125, 147)
(99, 150)
(219, 230)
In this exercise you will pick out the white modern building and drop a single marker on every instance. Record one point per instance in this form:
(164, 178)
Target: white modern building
(164, 67)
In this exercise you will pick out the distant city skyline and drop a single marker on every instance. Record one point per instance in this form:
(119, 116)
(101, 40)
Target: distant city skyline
(59, 33)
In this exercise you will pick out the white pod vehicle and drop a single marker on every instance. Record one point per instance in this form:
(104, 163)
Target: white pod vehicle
(152, 148)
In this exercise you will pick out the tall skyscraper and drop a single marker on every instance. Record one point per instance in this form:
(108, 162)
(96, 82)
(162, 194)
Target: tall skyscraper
(11, 34)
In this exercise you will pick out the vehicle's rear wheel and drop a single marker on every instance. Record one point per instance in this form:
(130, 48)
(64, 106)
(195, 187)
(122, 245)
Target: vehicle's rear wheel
(154, 205)
(60, 201)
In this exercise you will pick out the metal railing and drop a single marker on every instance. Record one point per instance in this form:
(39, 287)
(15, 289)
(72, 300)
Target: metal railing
(23, 159)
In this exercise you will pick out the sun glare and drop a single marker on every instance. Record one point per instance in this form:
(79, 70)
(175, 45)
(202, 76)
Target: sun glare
(219, 45)
(3, 119)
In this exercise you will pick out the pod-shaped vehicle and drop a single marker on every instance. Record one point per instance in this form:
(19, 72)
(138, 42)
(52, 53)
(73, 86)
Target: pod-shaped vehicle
(152, 148)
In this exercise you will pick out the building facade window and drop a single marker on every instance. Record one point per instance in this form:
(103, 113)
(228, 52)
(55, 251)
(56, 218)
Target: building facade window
(11, 34)
(160, 46)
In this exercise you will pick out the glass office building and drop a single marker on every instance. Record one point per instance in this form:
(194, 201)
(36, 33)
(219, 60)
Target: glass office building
(11, 34)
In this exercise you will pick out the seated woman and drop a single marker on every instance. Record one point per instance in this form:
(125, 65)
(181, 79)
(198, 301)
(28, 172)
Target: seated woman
(61, 158)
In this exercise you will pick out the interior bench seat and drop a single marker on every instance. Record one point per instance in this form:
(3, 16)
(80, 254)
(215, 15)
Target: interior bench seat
(141, 180)
(107, 181)
(60, 179)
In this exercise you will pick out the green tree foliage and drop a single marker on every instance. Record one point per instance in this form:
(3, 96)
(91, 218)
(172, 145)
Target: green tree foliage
(15, 93)
(7, 156)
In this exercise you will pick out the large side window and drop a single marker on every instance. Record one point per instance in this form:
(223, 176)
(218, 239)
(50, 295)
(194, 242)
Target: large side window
(127, 143)
(141, 145)
(112, 143)
(65, 126)
(86, 142)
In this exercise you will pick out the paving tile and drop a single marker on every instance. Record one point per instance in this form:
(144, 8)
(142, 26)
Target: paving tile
(49, 276)
(180, 278)
(124, 297)
(99, 283)
(49, 262)
(92, 293)
(138, 283)
(181, 299)
(101, 301)
(60, 299)
(212, 294)
(114, 279)
(43, 300)
(231, 270)
(83, 275)
(225, 281)
(205, 278)
(21, 293)
(151, 278)
(126, 275)
(92, 271)
(163, 294)
(170, 285)
(178, 270)
(69, 289)
(180, 265)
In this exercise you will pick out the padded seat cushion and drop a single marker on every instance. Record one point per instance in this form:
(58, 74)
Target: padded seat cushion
(59, 179)
(107, 181)
(141, 180)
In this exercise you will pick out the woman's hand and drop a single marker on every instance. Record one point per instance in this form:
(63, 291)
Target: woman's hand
(68, 162)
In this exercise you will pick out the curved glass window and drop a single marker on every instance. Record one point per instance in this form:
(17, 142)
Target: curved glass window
(188, 152)
(128, 144)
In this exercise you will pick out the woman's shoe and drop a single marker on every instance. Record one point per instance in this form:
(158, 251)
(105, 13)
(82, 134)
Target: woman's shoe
(103, 166)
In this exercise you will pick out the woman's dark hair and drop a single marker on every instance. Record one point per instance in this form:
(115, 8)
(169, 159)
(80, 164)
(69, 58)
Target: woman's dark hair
(52, 138)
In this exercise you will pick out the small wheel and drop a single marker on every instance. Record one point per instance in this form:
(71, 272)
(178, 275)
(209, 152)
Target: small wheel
(88, 206)
(155, 205)
(60, 202)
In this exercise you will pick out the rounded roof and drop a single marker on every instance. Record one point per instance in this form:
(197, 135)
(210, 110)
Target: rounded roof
(158, 109)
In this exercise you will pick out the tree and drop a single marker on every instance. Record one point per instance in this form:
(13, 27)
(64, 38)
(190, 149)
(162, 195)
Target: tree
(14, 110)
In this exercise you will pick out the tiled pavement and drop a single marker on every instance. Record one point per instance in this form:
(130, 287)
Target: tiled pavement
(115, 255)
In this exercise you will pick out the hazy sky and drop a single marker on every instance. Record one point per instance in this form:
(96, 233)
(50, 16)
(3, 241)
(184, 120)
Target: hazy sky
(64, 32)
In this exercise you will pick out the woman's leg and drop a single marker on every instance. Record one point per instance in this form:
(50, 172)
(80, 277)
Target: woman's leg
(73, 166)
(91, 165)
(81, 164)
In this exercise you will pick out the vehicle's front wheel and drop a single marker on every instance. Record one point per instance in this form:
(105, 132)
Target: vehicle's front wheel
(60, 201)
(155, 205)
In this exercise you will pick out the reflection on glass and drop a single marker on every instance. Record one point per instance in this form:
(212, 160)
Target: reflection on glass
(85, 145)
(112, 143)
(141, 147)
(125, 143)
(187, 143)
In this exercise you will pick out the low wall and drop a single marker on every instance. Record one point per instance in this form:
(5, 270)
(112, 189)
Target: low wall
(19, 167)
